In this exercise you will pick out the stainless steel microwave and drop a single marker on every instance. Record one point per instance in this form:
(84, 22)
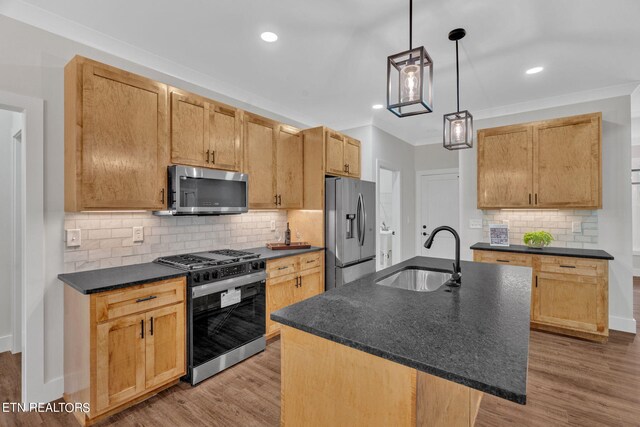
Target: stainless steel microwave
(201, 191)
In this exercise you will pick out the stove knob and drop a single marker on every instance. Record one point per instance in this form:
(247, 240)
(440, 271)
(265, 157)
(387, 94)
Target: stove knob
(255, 265)
(214, 274)
(196, 277)
(205, 276)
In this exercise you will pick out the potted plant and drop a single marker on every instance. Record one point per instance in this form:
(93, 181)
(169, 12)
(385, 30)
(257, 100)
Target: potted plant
(537, 239)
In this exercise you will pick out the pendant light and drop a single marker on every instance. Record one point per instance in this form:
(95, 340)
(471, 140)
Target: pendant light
(458, 126)
(410, 79)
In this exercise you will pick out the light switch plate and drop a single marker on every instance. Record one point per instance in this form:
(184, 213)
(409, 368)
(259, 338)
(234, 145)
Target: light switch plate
(138, 234)
(475, 223)
(273, 225)
(74, 238)
(576, 227)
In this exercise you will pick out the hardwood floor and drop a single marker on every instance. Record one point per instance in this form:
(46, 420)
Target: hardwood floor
(571, 383)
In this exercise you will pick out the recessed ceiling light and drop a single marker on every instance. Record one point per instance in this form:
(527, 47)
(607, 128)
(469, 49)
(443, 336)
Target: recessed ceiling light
(534, 70)
(269, 37)
(377, 106)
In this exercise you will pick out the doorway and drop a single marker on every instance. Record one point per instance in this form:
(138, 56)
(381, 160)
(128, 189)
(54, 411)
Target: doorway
(438, 204)
(16, 233)
(389, 214)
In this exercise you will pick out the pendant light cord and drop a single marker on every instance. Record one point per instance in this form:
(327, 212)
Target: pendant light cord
(457, 79)
(410, 24)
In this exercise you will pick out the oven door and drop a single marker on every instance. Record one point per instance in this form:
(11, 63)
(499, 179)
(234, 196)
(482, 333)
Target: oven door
(206, 191)
(227, 324)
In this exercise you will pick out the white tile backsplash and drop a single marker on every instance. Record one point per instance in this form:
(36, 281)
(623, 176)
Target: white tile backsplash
(556, 222)
(107, 238)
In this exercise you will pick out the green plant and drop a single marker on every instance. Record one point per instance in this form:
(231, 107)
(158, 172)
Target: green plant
(537, 238)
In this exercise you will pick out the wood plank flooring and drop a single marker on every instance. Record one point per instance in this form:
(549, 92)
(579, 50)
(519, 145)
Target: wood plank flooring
(571, 383)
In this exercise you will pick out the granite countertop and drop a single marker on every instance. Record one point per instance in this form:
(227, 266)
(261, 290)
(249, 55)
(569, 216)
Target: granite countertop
(108, 279)
(476, 335)
(568, 252)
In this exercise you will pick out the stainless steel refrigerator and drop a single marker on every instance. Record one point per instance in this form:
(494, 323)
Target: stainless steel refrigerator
(350, 218)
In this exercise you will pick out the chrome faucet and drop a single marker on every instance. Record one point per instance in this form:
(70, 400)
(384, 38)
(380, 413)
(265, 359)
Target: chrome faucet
(456, 275)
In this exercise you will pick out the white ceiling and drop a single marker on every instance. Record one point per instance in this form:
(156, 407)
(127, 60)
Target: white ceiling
(329, 64)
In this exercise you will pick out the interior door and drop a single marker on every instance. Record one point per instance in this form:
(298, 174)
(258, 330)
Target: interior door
(224, 137)
(505, 167)
(259, 161)
(120, 357)
(165, 344)
(439, 205)
(289, 162)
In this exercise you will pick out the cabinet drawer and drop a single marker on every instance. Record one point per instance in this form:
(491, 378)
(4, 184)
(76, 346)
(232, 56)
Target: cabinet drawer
(139, 299)
(496, 257)
(573, 266)
(308, 261)
(282, 266)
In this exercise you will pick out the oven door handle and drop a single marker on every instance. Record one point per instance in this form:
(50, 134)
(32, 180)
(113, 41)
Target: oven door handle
(226, 284)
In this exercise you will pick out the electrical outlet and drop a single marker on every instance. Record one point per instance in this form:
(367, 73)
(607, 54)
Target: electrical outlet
(576, 227)
(138, 234)
(273, 225)
(475, 223)
(74, 238)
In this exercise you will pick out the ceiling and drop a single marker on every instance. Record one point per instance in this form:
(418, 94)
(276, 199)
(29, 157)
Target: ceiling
(329, 64)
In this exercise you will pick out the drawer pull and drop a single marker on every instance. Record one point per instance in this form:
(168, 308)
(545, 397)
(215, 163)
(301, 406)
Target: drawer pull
(567, 266)
(310, 261)
(283, 268)
(149, 298)
(503, 260)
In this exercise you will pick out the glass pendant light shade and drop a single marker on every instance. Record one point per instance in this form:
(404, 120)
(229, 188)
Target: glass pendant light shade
(458, 130)
(409, 82)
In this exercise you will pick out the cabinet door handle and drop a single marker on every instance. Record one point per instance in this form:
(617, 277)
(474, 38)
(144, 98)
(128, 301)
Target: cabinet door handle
(345, 167)
(279, 199)
(536, 281)
(162, 196)
(529, 198)
(208, 156)
(275, 202)
(151, 326)
(213, 156)
(536, 198)
(142, 329)
(568, 266)
(503, 260)
(149, 298)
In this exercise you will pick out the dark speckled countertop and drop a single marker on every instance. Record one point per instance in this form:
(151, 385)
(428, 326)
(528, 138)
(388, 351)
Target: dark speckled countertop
(476, 335)
(569, 252)
(108, 279)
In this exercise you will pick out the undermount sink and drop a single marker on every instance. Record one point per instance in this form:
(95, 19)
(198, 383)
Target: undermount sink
(418, 280)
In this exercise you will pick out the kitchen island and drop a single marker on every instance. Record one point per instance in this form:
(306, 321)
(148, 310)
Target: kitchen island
(366, 354)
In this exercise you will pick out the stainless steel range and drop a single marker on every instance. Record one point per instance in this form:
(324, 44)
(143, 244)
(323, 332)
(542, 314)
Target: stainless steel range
(226, 309)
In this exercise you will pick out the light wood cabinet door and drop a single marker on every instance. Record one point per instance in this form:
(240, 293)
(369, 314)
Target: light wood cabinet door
(280, 293)
(352, 157)
(120, 361)
(567, 157)
(289, 163)
(505, 167)
(165, 344)
(224, 132)
(124, 140)
(310, 284)
(335, 163)
(188, 129)
(260, 160)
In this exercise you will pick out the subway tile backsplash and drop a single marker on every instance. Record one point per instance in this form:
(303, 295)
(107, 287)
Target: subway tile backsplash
(107, 238)
(556, 222)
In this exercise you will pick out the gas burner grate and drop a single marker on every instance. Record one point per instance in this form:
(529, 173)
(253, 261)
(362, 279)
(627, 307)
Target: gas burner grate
(186, 262)
(233, 253)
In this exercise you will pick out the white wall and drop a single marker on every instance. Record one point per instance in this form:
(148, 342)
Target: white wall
(435, 156)
(32, 64)
(614, 220)
(398, 155)
(6, 245)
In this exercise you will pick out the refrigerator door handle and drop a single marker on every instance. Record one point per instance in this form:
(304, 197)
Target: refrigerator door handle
(364, 220)
(360, 211)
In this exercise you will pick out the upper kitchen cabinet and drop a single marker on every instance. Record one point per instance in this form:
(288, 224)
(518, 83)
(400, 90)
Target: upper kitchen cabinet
(205, 133)
(342, 154)
(116, 145)
(352, 157)
(548, 164)
(273, 159)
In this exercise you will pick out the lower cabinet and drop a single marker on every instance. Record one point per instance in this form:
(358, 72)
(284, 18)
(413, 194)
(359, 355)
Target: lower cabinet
(568, 295)
(291, 280)
(123, 346)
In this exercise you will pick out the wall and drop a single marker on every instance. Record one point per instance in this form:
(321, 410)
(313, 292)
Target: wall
(397, 155)
(6, 219)
(107, 237)
(32, 64)
(434, 156)
(556, 222)
(614, 220)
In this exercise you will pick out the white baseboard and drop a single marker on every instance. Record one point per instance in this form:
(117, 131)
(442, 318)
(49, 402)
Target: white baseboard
(5, 343)
(622, 324)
